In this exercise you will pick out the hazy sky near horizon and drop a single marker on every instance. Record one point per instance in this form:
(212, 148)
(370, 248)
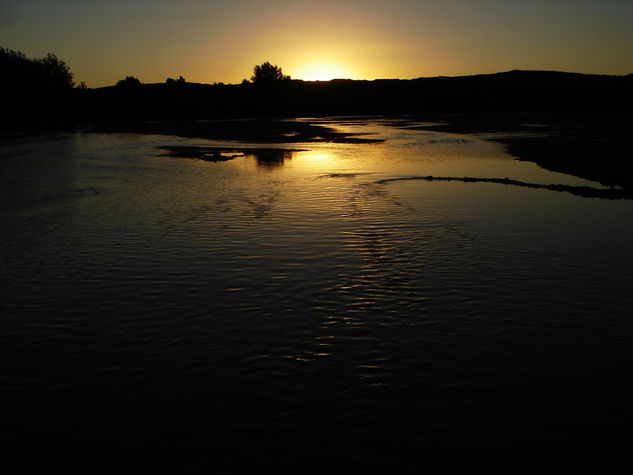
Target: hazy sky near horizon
(212, 41)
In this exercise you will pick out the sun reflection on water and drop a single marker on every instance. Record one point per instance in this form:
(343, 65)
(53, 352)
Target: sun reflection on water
(320, 160)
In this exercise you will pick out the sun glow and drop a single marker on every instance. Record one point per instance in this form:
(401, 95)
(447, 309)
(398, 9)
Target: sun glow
(322, 71)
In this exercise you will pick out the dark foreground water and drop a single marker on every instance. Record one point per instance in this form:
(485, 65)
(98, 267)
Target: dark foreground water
(305, 315)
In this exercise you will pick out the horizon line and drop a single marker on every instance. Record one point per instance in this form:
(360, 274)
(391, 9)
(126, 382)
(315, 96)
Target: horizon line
(221, 83)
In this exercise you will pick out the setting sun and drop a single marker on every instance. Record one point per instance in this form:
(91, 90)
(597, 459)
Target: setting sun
(322, 71)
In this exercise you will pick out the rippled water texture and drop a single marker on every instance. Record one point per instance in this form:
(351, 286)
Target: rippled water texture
(304, 312)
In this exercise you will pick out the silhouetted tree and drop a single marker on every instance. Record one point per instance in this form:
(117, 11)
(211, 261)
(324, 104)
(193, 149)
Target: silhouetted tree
(56, 72)
(265, 73)
(16, 68)
(34, 90)
(129, 81)
(175, 82)
(46, 74)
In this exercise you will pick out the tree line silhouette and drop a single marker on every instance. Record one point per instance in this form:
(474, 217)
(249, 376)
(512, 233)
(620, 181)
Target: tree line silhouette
(34, 90)
(42, 90)
(20, 72)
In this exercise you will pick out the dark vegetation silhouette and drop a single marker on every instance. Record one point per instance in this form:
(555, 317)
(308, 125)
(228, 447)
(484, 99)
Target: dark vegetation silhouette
(21, 73)
(507, 92)
(586, 119)
(34, 90)
(174, 82)
(129, 82)
(266, 73)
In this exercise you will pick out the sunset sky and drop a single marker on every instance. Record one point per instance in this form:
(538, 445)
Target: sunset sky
(212, 41)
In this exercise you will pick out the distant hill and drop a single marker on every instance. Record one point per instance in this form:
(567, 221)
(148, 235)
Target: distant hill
(511, 91)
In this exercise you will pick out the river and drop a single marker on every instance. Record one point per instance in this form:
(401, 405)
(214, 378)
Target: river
(319, 307)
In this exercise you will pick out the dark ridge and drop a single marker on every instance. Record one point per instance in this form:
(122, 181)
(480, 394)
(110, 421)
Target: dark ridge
(27, 105)
(584, 191)
(513, 91)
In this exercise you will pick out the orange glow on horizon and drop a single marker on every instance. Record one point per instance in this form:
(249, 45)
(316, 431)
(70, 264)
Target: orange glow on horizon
(322, 71)
(209, 42)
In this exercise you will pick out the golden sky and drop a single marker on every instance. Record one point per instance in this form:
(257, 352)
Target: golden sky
(212, 41)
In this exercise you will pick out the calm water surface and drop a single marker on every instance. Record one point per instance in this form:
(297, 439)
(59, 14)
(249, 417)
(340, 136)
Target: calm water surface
(306, 313)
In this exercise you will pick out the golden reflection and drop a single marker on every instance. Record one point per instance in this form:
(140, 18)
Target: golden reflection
(317, 159)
